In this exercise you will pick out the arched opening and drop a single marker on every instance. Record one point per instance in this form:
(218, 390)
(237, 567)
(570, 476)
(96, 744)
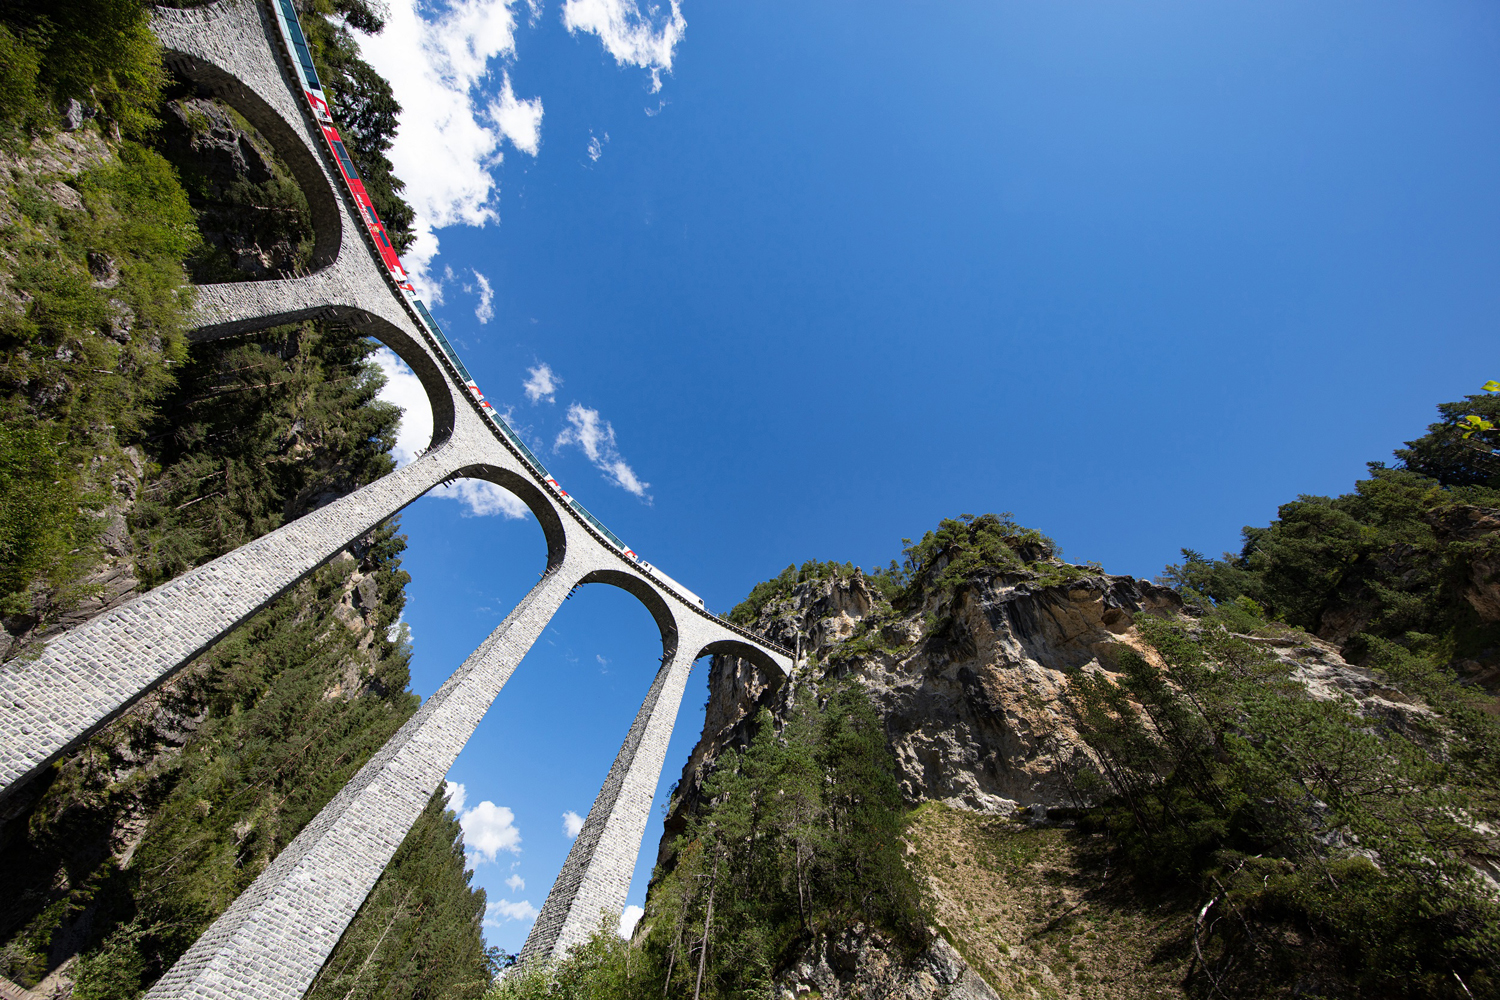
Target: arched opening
(204, 81)
(548, 742)
(253, 215)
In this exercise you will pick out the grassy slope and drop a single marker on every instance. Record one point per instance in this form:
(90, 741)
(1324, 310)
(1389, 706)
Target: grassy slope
(1037, 912)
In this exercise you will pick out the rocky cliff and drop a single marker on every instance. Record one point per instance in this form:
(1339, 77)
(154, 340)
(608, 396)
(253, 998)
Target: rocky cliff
(971, 679)
(970, 685)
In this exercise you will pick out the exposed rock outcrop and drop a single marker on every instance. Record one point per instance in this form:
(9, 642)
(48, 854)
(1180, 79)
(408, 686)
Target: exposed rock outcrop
(971, 682)
(253, 216)
(970, 685)
(859, 962)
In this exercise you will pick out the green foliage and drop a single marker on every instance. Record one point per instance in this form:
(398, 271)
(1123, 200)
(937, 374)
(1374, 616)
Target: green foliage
(45, 525)
(416, 936)
(970, 547)
(605, 967)
(88, 358)
(959, 551)
(1386, 562)
(1453, 451)
(99, 52)
(364, 105)
(802, 834)
(255, 218)
(23, 108)
(1217, 767)
(257, 433)
(782, 585)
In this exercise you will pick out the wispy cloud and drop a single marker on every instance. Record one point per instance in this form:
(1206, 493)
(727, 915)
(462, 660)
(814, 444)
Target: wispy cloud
(402, 388)
(456, 795)
(542, 383)
(634, 39)
(503, 909)
(519, 121)
(516, 883)
(596, 438)
(596, 145)
(485, 310)
(572, 824)
(482, 499)
(629, 919)
(488, 829)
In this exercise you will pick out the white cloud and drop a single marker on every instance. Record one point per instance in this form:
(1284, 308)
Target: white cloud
(629, 919)
(516, 883)
(585, 430)
(489, 828)
(572, 824)
(542, 384)
(447, 149)
(482, 498)
(485, 311)
(518, 121)
(404, 389)
(627, 34)
(597, 440)
(625, 476)
(456, 794)
(504, 908)
(596, 146)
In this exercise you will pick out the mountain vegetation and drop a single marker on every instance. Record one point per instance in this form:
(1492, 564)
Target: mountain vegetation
(129, 455)
(802, 835)
(1286, 786)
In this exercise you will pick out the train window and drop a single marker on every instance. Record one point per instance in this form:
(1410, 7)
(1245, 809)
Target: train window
(383, 241)
(299, 44)
(344, 161)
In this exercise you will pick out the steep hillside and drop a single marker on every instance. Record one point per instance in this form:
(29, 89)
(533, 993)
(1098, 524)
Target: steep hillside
(1116, 791)
(128, 456)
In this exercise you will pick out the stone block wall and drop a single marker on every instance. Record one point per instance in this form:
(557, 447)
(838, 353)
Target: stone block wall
(273, 940)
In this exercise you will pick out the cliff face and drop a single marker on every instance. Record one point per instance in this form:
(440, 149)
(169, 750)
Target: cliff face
(970, 686)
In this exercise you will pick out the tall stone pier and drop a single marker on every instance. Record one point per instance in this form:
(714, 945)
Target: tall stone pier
(275, 937)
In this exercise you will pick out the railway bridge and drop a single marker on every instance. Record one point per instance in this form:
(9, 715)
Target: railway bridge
(275, 937)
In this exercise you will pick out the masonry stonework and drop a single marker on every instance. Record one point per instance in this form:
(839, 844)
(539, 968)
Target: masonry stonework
(274, 938)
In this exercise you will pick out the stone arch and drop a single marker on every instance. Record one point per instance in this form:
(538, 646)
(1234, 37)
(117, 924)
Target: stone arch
(648, 595)
(746, 650)
(343, 273)
(401, 342)
(300, 157)
(528, 493)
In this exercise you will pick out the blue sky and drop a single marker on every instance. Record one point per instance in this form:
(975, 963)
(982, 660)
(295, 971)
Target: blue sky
(793, 281)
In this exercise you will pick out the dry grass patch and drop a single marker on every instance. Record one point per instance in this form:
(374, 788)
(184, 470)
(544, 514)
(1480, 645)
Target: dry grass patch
(1038, 912)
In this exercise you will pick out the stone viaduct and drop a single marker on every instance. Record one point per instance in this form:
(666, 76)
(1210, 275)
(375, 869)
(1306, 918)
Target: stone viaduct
(275, 937)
